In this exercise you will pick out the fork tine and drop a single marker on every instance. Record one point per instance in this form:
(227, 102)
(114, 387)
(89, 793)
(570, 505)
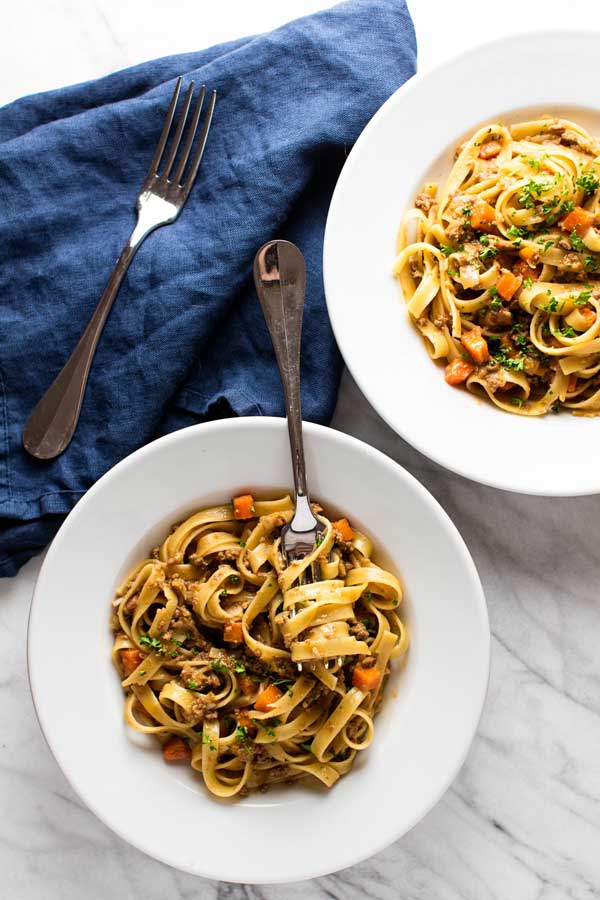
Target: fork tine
(195, 164)
(180, 126)
(165, 131)
(192, 131)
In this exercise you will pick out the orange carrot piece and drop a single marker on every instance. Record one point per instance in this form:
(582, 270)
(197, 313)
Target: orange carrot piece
(527, 252)
(176, 750)
(130, 660)
(243, 506)
(483, 216)
(365, 679)
(588, 315)
(247, 686)
(458, 371)
(490, 149)
(578, 220)
(476, 345)
(267, 698)
(572, 383)
(507, 285)
(344, 528)
(233, 632)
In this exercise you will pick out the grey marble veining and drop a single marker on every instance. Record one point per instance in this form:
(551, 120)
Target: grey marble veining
(522, 820)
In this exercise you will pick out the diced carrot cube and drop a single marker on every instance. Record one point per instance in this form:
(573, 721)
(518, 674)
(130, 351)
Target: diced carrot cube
(267, 698)
(176, 750)
(247, 686)
(365, 679)
(233, 632)
(578, 220)
(527, 252)
(458, 371)
(588, 315)
(490, 149)
(572, 383)
(130, 660)
(344, 528)
(243, 506)
(483, 216)
(476, 345)
(507, 285)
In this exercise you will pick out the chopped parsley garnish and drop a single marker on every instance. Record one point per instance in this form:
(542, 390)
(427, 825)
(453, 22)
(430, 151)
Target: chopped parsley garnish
(446, 249)
(239, 667)
(484, 239)
(218, 666)
(306, 746)
(241, 734)
(496, 301)
(143, 672)
(517, 401)
(552, 304)
(582, 298)
(565, 207)
(590, 264)
(267, 727)
(509, 362)
(588, 181)
(527, 283)
(576, 242)
(234, 579)
(319, 539)
(568, 331)
(152, 642)
(242, 543)
(555, 408)
(467, 212)
(515, 232)
(488, 253)
(547, 246)
(207, 740)
(224, 594)
(193, 685)
(368, 595)
(530, 192)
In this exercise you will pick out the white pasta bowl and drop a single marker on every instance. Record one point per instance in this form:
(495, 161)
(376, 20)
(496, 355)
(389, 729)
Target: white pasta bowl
(433, 701)
(410, 141)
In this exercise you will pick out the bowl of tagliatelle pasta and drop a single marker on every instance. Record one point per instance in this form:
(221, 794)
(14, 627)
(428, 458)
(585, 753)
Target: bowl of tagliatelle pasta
(231, 715)
(470, 313)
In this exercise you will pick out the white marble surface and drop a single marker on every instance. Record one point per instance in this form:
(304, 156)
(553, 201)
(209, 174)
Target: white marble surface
(522, 821)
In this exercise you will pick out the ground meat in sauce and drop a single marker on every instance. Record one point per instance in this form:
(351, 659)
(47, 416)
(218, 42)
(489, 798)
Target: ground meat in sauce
(360, 632)
(424, 202)
(202, 680)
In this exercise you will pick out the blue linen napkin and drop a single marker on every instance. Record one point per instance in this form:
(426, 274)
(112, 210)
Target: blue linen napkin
(185, 341)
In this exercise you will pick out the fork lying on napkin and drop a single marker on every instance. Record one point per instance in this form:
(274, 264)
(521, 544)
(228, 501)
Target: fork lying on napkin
(185, 340)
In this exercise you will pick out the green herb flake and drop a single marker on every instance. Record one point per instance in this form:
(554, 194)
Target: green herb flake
(152, 642)
(588, 181)
(306, 746)
(517, 401)
(576, 242)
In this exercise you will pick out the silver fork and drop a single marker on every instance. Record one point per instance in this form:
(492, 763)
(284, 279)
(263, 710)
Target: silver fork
(52, 423)
(280, 279)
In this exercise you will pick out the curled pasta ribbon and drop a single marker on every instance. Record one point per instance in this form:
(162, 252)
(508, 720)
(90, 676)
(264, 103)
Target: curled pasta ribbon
(510, 244)
(208, 633)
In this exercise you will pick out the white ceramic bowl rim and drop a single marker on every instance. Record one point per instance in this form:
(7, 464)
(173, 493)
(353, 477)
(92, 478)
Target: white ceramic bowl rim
(380, 178)
(101, 732)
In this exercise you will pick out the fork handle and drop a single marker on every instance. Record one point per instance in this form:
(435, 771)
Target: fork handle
(52, 422)
(280, 279)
